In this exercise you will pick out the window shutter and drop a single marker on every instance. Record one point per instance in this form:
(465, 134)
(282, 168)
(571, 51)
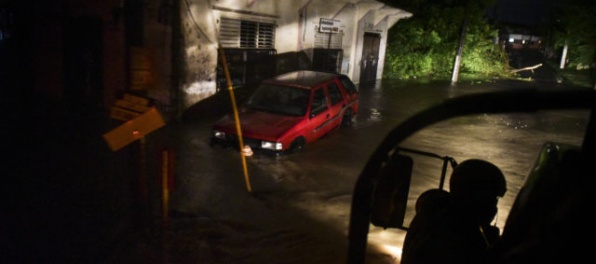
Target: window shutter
(328, 40)
(236, 33)
(229, 33)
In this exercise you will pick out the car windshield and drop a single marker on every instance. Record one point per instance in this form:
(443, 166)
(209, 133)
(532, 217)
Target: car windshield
(279, 100)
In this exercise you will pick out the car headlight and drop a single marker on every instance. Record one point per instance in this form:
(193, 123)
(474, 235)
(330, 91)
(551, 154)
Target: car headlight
(271, 145)
(219, 134)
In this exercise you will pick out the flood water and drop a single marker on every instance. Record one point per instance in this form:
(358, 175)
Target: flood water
(298, 206)
(511, 141)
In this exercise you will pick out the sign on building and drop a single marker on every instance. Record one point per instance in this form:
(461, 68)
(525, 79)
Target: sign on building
(329, 25)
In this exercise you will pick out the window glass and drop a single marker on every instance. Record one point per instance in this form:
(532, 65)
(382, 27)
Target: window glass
(334, 93)
(319, 102)
(350, 87)
(283, 100)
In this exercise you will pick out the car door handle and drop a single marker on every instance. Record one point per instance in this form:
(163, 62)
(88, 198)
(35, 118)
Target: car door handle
(327, 115)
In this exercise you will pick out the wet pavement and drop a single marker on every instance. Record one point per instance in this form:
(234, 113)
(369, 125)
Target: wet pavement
(298, 208)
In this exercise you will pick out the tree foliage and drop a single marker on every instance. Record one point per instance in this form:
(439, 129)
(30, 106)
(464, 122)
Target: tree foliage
(425, 45)
(577, 30)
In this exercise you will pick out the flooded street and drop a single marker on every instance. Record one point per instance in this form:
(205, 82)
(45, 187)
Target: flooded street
(298, 206)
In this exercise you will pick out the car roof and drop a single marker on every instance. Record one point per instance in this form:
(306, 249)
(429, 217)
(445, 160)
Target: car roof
(305, 79)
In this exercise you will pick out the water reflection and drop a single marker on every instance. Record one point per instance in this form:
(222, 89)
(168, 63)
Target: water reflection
(511, 140)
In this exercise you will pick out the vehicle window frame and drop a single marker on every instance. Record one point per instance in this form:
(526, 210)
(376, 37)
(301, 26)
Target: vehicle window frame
(314, 111)
(348, 85)
(279, 99)
(335, 94)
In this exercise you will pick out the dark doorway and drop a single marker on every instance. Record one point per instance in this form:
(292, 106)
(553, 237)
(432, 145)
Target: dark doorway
(83, 75)
(370, 57)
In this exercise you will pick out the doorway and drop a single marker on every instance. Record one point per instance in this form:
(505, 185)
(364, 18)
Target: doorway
(370, 57)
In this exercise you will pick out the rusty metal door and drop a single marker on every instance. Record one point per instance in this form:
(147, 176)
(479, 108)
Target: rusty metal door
(370, 57)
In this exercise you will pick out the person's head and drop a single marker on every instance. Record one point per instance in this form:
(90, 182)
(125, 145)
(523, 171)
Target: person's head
(477, 184)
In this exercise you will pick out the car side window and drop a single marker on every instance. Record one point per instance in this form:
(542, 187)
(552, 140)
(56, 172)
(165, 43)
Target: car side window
(319, 102)
(334, 93)
(348, 84)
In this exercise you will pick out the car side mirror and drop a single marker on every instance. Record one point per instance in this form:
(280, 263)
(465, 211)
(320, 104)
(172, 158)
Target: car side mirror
(390, 196)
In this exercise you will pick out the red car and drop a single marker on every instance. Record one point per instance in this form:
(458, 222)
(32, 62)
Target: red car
(290, 110)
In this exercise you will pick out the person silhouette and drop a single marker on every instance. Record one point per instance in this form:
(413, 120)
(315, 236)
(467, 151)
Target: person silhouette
(455, 226)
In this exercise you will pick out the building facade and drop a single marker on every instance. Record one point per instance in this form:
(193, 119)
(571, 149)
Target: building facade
(89, 53)
(344, 36)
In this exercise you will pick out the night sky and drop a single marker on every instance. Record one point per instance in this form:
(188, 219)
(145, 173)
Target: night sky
(526, 12)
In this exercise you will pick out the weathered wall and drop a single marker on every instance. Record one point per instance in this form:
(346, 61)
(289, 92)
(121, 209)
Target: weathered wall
(199, 51)
(297, 23)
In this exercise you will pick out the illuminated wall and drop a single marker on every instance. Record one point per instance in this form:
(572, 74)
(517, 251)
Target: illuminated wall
(297, 27)
(199, 51)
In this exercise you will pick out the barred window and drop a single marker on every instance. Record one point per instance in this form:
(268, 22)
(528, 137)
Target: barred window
(235, 33)
(328, 40)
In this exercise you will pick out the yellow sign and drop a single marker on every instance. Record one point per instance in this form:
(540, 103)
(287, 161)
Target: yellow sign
(129, 107)
(135, 99)
(123, 114)
(134, 129)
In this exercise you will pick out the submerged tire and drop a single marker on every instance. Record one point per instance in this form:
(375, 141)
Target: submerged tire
(297, 145)
(346, 120)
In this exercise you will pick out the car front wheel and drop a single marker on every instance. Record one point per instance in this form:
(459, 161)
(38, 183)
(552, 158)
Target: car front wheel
(297, 145)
